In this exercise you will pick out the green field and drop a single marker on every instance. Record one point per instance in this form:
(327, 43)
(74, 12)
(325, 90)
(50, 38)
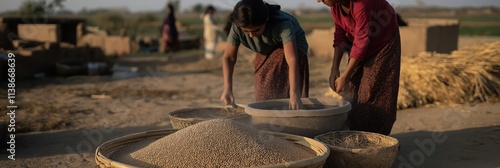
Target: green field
(483, 30)
(478, 25)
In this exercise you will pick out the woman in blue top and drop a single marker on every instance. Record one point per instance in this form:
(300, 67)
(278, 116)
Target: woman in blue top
(281, 66)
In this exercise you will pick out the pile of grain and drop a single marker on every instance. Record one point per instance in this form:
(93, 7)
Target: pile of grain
(467, 75)
(213, 143)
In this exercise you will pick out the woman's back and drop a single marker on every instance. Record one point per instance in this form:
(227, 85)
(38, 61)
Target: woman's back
(280, 28)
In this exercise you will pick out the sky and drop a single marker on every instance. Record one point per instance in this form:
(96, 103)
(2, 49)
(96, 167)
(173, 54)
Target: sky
(157, 5)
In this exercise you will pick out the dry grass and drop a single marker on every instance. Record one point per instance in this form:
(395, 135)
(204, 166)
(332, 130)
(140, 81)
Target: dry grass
(468, 75)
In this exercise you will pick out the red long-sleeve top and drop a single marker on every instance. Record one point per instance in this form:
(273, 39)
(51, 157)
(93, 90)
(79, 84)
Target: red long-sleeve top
(367, 28)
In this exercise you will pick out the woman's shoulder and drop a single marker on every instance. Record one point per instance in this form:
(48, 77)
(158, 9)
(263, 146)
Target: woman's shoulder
(283, 18)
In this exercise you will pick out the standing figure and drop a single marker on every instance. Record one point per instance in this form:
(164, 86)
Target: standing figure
(169, 33)
(368, 30)
(281, 67)
(210, 30)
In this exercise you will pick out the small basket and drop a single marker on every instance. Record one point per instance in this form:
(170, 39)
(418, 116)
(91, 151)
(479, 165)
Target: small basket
(105, 150)
(381, 155)
(186, 117)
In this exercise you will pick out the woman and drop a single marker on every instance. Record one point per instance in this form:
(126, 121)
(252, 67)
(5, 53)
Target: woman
(210, 29)
(368, 31)
(281, 67)
(170, 35)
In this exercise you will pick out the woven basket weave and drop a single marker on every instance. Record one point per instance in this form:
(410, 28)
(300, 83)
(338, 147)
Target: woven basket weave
(105, 150)
(381, 155)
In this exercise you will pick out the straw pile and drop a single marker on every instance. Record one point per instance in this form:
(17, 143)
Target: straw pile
(213, 143)
(468, 75)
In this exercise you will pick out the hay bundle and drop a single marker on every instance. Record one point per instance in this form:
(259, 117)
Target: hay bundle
(468, 75)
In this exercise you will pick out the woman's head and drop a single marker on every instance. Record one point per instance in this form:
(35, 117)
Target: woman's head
(252, 16)
(170, 7)
(210, 10)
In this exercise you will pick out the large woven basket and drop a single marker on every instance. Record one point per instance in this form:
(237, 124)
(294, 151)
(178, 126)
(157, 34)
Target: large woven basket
(105, 150)
(185, 117)
(381, 155)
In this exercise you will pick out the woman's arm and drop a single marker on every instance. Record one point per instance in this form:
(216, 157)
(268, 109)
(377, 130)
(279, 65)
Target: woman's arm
(337, 57)
(228, 61)
(341, 81)
(334, 72)
(291, 56)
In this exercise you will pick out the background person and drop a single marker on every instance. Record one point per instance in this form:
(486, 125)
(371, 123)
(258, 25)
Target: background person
(169, 33)
(210, 34)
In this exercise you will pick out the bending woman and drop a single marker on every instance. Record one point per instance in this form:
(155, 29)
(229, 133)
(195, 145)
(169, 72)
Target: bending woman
(368, 31)
(281, 66)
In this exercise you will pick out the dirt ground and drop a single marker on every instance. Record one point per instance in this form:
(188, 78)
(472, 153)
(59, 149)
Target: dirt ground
(60, 124)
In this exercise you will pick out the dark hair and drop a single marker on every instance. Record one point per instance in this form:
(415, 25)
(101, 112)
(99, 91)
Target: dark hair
(209, 8)
(253, 12)
(170, 7)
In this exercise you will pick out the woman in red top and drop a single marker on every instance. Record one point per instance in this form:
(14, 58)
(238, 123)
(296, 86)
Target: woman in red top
(368, 31)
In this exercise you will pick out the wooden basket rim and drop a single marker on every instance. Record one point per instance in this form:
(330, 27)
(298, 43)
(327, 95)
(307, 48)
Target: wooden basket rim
(395, 141)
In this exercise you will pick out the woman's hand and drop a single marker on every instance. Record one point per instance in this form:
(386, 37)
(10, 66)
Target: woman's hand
(228, 61)
(228, 98)
(340, 83)
(295, 103)
(333, 77)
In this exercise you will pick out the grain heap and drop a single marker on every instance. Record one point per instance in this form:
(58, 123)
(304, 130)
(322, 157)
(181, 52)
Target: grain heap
(213, 143)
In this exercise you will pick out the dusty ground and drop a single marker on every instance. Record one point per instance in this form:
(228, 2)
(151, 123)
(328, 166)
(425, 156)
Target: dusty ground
(59, 124)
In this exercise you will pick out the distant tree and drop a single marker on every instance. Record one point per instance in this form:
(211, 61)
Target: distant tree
(115, 21)
(39, 7)
(83, 11)
(198, 8)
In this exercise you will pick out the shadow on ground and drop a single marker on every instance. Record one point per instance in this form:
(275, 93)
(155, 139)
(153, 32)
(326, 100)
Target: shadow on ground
(473, 147)
(81, 142)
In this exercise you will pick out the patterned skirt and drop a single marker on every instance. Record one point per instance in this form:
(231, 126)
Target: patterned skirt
(271, 76)
(373, 90)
